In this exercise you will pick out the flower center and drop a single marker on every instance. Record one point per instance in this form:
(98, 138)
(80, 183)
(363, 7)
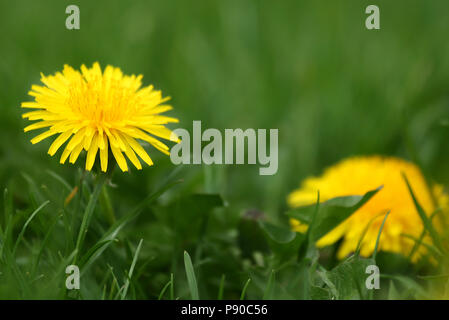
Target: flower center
(101, 101)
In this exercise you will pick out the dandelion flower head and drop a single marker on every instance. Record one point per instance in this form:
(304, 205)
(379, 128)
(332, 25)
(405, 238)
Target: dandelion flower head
(103, 112)
(358, 175)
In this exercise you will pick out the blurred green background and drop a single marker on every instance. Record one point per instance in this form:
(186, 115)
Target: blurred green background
(309, 68)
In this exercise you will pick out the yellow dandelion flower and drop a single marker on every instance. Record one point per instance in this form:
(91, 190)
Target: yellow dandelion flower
(358, 175)
(99, 111)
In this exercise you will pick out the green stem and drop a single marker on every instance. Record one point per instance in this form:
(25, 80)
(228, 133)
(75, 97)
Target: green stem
(107, 205)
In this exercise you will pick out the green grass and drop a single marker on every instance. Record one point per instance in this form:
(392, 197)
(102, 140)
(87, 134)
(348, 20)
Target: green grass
(308, 68)
(36, 250)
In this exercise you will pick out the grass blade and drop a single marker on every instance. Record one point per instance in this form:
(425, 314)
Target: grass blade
(368, 225)
(43, 245)
(20, 236)
(371, 292)
(191, 279)
(161, 295)
(91, 255)
(242, 296)
(378, 236)
(109, 236)
(172, 287)
(421, 237)
(437, 253)
(425, 219)
(88, 214)
(221, 288)
(131, 270)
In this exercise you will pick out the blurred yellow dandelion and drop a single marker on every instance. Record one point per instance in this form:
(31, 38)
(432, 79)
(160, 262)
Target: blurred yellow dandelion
(99, 111)
(356, 176)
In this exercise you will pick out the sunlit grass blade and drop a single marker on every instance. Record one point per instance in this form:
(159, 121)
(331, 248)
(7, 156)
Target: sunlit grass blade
(131, 270)
(421, 237)
(425, 219)
(378, 235)
(245, 287)
(103, 293)
(221, 288)
(376, 247)
(167, 286)
(114, 284)
(419, 242)
(191, 279)
(20, 236)
(329, 214)
(93, 199)
(172, 287)
(359, 243)
(434, 277)
(314, 217)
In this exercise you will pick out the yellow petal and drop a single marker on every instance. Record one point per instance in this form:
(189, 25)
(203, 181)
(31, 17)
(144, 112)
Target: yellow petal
(121, 161)
(65, 155)
(38, 125)
(76, 139)
(138, 149)
(92, 153)
(88, 138)
(136, 133)
(160, 109)
(104, 154)
(75, 153)
(131, 155)
(63, 137)
(36, 115)
(163, 132)
(112, 138)
(43, 136)
(119, 140)
(31, 105)
(101, 143)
